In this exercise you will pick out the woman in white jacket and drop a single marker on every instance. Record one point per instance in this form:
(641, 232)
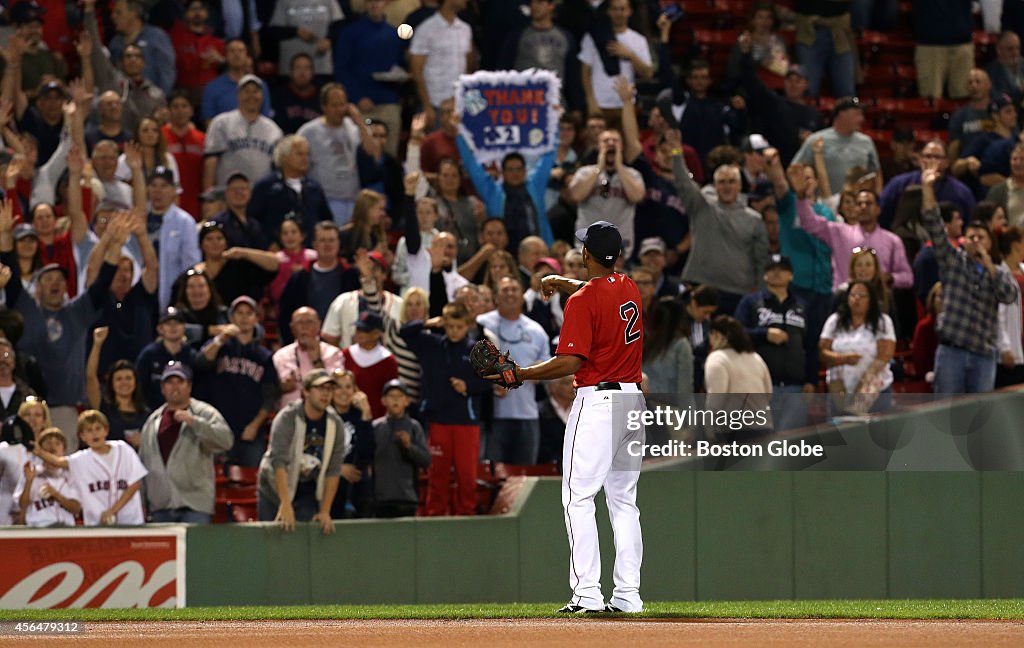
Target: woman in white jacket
(737, 380)
(1010, 370)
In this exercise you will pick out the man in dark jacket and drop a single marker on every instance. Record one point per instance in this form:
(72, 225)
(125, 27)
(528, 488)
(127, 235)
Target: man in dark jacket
(317, 287)
(776, 321)
(289, 191)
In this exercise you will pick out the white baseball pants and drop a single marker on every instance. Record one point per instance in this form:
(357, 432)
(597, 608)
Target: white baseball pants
(596, 453)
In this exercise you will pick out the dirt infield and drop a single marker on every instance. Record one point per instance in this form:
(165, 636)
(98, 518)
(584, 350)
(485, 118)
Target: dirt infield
(542, 632)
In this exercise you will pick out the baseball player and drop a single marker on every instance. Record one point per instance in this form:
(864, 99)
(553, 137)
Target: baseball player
(107, 474)
(601, 342)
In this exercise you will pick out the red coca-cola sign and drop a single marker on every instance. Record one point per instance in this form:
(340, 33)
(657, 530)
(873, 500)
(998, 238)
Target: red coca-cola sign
(92, 568)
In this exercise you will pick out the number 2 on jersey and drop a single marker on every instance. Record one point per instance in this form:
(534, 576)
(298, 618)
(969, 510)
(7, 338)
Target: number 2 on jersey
(630, 313)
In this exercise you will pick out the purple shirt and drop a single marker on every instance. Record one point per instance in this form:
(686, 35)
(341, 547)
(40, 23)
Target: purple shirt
(842, 238)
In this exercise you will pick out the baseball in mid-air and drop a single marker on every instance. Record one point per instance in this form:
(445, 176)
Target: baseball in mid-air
(405, 31)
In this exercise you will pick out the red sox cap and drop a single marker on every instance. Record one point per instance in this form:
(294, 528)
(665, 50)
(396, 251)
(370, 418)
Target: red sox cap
(603, 241)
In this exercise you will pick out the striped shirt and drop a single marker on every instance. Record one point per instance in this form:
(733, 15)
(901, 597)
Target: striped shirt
(970, 294)
(408, 366)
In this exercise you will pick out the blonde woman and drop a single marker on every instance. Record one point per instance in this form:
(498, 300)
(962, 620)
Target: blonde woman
(14, 457)
(152, 147)
(368, 228)
(500, 264)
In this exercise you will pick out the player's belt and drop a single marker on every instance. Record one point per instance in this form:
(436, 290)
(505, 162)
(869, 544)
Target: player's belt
(608, 386)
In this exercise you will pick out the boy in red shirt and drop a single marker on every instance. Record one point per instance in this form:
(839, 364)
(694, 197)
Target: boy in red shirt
(371, 363)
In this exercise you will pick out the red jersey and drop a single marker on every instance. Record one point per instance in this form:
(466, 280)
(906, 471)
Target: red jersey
(603, 325)
(188, 153)
(62, 252)
(193, 71)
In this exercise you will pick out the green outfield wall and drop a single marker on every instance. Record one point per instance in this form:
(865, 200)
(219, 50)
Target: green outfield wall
(920, 521)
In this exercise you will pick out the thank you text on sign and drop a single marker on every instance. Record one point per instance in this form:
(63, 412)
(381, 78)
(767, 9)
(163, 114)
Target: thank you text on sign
(508, 111)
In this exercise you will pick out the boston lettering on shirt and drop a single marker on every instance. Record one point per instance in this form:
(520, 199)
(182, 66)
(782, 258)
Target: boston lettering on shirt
(250, 143)
(104, 485)
(241, 366)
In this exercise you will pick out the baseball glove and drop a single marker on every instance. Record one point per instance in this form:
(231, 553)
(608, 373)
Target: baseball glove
(490, 363)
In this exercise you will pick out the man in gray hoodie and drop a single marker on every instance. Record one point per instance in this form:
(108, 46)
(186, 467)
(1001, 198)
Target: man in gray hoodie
(730, 244)
(177, 446)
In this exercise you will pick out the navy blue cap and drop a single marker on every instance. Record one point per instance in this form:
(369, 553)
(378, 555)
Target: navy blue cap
(369, 322)
(603, 241)
(779, 261)
(26, 12)
(394, 383)
(171, 313)
(175, 368)
(162, 172)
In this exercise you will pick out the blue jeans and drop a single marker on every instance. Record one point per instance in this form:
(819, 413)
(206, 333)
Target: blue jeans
(819, 307)
(959, 371)
(789, 409)
(181, 515)
(514, 441)
(822, 53)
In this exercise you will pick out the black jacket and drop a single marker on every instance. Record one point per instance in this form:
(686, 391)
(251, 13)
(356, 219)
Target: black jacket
(272, 200)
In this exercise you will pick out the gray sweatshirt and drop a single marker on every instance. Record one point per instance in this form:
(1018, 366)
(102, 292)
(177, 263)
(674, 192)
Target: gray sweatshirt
(730, 244)
(394, 467)
(187, 479)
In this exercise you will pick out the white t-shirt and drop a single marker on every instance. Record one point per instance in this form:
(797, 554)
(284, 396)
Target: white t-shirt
(445, 45)
(862, 341)
(602, 84)
(101, 480)
(42, 512)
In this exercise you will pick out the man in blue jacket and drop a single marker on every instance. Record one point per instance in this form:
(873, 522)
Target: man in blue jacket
(367, 47)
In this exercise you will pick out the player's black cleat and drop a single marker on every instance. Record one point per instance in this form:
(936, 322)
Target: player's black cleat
(571, 608)
(611, 609)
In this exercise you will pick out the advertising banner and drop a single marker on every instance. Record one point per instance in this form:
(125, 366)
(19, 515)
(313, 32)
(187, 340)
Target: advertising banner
(93, 568)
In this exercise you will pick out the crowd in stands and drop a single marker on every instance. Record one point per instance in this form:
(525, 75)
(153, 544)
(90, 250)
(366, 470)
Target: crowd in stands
(250, 232)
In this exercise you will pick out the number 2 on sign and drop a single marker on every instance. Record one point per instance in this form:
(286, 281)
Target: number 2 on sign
(501, 135)
(630, 313)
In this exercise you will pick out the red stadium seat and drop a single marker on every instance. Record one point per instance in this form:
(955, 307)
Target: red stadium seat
(244, 512)
(242, 474)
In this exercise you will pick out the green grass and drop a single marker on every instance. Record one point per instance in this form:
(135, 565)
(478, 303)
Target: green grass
(840, 609)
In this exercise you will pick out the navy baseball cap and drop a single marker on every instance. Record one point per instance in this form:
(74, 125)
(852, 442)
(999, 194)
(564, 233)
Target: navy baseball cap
(394, 383)
(26, 12)
(162, 172)
(242, 299)
(603, 241)
(779, 261)
(175, 368)
(47, 268)
(171, 313)
(369, 322)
